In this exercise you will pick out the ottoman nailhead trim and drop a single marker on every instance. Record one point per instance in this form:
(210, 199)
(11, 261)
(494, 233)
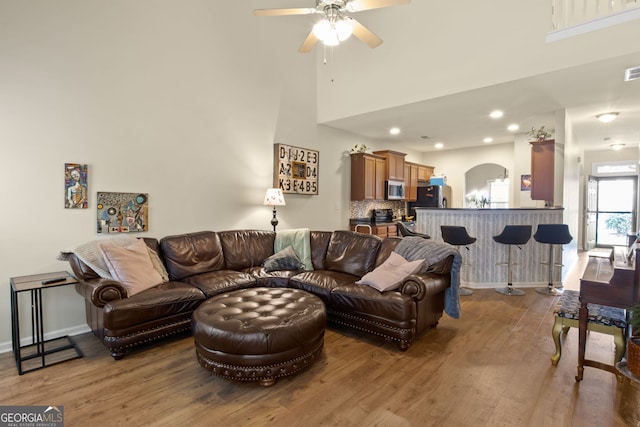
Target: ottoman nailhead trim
(250, 373)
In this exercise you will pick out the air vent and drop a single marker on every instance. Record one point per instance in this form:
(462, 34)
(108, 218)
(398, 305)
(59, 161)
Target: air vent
(631, 74)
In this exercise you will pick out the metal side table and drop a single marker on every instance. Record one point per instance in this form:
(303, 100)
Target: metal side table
(39, 349)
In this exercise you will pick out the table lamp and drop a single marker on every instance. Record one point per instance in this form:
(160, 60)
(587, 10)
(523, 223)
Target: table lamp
(274, 197)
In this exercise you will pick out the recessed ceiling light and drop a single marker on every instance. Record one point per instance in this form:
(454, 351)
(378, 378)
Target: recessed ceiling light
(488, 140)
(513, 127)
(607, 117)
(439, 145)
(496, 114)
(394, 131)
(617, 146)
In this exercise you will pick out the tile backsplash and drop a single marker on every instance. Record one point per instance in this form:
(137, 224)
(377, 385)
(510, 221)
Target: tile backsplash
(363, 208)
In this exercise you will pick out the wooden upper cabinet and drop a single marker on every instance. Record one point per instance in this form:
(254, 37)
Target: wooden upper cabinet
(542, 170)
(367, 177)
(425, 172)
(411, 173)
(395, 164)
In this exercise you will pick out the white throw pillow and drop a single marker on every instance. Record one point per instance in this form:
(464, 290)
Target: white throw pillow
(132, 266)
(391, 273)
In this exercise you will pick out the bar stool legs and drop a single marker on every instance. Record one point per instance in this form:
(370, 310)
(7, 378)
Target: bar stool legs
(509, 289)
(512, 235)
(552, 234)
(458, 236)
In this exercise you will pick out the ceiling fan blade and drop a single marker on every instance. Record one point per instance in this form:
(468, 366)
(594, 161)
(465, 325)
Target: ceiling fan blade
(361, 32)
(308, 43)
(358, 5)
(278, 12)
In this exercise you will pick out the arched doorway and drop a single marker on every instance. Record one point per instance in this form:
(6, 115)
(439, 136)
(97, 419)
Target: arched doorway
(486, 185)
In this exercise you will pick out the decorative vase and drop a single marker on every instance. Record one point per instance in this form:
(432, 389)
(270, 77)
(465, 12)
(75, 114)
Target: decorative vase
(633, 355)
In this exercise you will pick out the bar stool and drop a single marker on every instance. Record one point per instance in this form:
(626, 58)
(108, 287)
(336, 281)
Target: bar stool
(552, 234)
(512, 235)
(458, 236)
(404, 231)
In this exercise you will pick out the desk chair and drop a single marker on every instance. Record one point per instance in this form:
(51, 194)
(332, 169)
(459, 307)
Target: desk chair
(512, 235)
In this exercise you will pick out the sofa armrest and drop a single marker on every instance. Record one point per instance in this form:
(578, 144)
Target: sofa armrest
(101, 291)
(418, 286)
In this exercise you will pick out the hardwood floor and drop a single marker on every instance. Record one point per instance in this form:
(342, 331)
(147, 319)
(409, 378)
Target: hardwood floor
(491, 367)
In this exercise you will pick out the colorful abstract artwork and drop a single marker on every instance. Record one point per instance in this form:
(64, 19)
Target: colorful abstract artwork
(75, 186)
(123, 212)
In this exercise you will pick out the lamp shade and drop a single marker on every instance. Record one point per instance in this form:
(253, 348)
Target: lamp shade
(274, 197)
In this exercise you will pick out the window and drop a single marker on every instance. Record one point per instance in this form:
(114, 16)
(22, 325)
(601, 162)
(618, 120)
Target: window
(499, 193)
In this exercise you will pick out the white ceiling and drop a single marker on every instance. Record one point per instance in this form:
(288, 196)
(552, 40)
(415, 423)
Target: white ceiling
(462, 120)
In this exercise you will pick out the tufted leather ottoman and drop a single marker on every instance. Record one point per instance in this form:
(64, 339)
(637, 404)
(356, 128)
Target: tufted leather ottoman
(259, 334)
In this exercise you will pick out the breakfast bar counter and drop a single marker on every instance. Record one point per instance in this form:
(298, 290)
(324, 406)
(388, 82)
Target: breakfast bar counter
(485, 253)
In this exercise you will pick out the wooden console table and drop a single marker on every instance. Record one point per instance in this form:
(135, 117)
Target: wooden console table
(613, 282)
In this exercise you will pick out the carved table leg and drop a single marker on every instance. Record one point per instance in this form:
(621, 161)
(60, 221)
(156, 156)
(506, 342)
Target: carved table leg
(583, 315)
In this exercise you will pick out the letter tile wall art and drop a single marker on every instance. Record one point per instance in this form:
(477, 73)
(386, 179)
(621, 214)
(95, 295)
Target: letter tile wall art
(295, 169)
(123, 212)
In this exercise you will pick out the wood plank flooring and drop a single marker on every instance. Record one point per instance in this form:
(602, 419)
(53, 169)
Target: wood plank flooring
(491, 367)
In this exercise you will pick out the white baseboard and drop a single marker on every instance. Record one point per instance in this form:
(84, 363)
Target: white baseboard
(75, 330)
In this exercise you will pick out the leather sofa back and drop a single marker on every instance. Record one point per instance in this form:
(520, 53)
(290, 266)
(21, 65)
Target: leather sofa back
(352, 253)
(246, 248)
(319, 245)
(192, 253)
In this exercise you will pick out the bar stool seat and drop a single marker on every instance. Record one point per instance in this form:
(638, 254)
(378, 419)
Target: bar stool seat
(404, 231)
(552, 234)
(458, 236)
(512, 235)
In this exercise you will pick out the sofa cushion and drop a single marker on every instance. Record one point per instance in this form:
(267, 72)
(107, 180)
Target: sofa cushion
(352, 253)
(286, 259)
(194, 253)
(319, 245)
(389, 307)
(131, 265)
(159, 302)
(390, 274)
(215, 282)
(246, 248)
(321, 282)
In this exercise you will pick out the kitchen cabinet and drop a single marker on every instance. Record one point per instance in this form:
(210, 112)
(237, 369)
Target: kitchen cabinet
(542, 170)
(368, 173)
(411, 181)
(395, 164)
(425, 172)
(380, 230)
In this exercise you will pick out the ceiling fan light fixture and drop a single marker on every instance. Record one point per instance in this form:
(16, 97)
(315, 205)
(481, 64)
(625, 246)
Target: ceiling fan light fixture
(322, 29)
(344, 29)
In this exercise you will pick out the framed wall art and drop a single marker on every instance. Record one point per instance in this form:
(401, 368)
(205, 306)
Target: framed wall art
(122, 212)
(295, 169)
(75, 186)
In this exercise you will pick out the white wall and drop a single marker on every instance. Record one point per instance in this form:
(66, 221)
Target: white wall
(455, 163)
(455, 46)
(181, 100)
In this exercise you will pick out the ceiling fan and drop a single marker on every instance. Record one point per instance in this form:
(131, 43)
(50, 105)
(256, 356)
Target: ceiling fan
(335, 25)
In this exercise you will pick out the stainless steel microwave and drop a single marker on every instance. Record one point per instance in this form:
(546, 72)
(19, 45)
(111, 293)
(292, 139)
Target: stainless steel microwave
(394, 190)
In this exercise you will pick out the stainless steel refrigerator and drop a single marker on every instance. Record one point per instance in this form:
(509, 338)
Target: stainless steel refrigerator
(431, 196)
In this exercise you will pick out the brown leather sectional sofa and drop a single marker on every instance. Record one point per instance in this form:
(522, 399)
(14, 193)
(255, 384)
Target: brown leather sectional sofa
(204, 264)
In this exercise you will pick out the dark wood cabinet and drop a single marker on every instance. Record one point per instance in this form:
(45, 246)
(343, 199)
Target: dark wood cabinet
(542, 170)
(380, 230)
(368, 173)
(395, 164)
(411, 181)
